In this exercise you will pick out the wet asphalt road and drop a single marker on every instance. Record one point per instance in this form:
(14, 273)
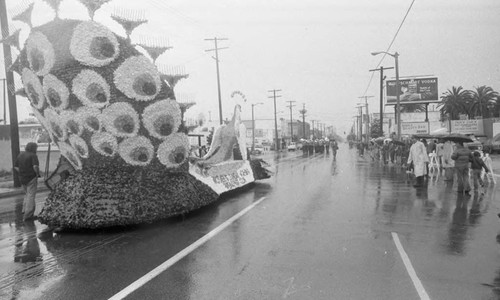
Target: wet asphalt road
(325, 230)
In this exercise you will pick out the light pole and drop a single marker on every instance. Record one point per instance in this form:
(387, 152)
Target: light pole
(398, 90)
(253, 126)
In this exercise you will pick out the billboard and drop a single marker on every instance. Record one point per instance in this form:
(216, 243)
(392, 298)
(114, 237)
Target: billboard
(414, 90)
(415, 128)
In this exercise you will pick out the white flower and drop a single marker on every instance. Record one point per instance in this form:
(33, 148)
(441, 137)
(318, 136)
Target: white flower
(55, 125)
(43, 122)
(70, 154)
(138, 78)
(40, 53)
(56, 92)
(121, 119)
(137, 151)
(162, 118)
(104, 143)
(79, 145)
(91, 89)
(90, 118)
(174, 151)
(33, 88)
(94, 45)
(70, 123)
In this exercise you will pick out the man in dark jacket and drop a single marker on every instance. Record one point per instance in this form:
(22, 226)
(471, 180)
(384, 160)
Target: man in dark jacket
(462, 157)
(477, 165)
(27, 166)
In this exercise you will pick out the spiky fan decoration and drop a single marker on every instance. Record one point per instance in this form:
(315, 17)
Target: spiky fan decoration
(129, 20)
(55, 6)
(25, 15)
(93, 5)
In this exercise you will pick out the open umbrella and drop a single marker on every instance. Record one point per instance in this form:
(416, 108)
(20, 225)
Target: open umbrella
(457, 138)
(395, 142)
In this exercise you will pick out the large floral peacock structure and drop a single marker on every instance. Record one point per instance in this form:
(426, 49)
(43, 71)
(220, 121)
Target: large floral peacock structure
(113, 115)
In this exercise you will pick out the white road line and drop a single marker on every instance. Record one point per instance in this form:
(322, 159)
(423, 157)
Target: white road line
(409, 268)
(164, 266)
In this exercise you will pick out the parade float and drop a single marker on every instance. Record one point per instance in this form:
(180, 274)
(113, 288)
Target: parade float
(125, 154)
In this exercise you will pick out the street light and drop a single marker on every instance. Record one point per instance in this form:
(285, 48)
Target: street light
(253, 127)
(398, 90)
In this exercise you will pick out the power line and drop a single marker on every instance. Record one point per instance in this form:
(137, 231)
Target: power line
(390, 45)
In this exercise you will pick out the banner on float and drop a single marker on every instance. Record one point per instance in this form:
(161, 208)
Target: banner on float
(414, 90)
(225, 176)
(415, 128)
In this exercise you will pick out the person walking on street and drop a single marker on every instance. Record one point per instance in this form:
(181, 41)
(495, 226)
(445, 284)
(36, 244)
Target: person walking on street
(335, 147)
(477, 165)
(448, 164)
(418, 156)
(27, 166)
(462, 157)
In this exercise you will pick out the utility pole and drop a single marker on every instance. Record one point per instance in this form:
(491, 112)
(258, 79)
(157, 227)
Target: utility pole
(274, 96)
(216, 49)
(367, 117)
(14, 128)
(303, 112)
(360, 123)
(314, 136)
(253, 126)
(382, 78)
(291, 120)
(4, 102)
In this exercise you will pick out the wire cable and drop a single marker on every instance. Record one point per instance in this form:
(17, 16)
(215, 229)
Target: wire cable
(389, 47)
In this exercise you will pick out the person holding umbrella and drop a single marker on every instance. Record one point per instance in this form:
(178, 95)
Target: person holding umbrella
(462, 157)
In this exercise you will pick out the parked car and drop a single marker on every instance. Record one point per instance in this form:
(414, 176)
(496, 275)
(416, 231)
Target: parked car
(475, 145)
(258, 149)
(492, 145)
(292, 146)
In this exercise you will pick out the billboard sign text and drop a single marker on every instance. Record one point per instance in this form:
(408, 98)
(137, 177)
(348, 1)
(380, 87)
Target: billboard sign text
(414, 90)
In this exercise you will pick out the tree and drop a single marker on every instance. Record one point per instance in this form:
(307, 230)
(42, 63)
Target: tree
(481, 100)
(413, 107)
(454, 102)
(376, 131)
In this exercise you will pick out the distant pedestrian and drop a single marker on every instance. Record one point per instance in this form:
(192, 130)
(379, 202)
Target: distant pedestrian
(27, 166)
(448, 164)
(335, 147)
(462, 157)
(477, 165)
(419, 158)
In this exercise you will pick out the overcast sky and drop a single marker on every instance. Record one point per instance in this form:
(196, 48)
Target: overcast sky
(317, 52)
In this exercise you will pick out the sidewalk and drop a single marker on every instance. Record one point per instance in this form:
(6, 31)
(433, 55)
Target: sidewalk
(7, 188)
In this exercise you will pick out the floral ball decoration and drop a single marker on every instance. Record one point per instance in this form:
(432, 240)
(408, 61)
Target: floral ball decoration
(33, 88)
(91, 89)
(71, 155)
(90, 118)
(174, 151)
(121, 119)
(94, 45)
(56, 92)
(138, 78)
(40, 53)
(162, 118)
(104, 143)
(136, 151)
(79, 145)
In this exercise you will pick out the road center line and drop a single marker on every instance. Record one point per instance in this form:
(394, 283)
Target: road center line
(164, 266)
(409, 268)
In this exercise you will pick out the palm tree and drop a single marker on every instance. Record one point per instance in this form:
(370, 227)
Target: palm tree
(454, 102)
(483, 98)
